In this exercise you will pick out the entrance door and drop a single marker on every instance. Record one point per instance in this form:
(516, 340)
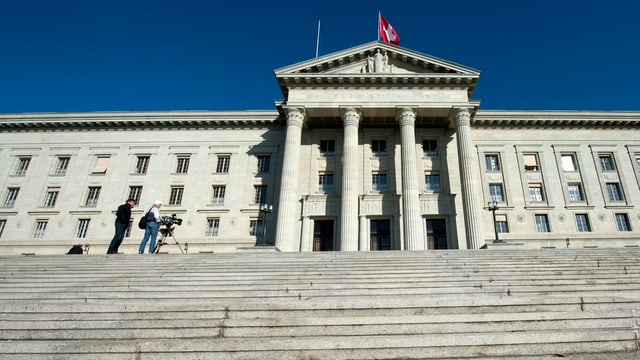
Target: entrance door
(380, 234)
(322, 235)
(436, 234)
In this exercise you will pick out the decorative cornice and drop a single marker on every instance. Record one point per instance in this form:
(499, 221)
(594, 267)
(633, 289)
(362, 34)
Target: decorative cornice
(137, 119)
(555, 118)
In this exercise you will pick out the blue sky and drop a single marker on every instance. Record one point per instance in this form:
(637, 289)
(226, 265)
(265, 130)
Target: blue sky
(111, 55)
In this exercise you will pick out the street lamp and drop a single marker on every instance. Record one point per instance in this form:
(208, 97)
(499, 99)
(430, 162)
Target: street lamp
(265, 209)
(493, 206)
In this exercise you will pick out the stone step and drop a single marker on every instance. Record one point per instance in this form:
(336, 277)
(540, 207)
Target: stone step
(386, 305)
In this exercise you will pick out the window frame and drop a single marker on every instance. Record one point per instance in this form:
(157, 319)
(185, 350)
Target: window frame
(542, 223)
(142, 164)
(176, 194)
(82, 228)
(379, 147)
(377, 185)
(492, 162)
(93, 196)
(431, 186)
(223, 163)
(430, 148)
(22, 165)
(213, 227)
(218, 193)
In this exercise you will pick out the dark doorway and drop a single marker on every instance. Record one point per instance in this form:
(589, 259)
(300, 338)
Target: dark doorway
(380, 233)
(436, 234)
(323, 235)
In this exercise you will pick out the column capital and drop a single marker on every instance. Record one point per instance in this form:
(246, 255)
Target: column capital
(295, 116)
(463, 117)
(350, 116)
(406, 116)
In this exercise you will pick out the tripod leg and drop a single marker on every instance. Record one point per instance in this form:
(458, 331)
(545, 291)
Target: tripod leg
(159, 243)
(178, 244)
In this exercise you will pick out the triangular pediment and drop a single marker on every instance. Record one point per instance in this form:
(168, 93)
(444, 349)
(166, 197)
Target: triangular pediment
(362, 60)
(376, 63)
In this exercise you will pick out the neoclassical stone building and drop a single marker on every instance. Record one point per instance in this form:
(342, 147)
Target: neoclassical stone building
(376, 147)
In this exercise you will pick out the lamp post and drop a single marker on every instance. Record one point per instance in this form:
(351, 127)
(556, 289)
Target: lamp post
(493, 206)
(265, 209)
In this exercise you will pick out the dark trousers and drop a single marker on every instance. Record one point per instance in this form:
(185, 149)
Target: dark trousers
(117, 238)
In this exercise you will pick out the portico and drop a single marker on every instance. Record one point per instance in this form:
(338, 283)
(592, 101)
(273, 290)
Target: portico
(361, 98)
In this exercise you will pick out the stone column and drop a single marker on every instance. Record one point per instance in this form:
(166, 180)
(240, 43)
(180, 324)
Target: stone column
(412, 221)
(288, 202)
(364, 240)
(471, 190)
(349, 206)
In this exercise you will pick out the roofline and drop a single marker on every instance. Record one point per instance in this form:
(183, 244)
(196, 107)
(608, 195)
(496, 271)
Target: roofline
(555, 118)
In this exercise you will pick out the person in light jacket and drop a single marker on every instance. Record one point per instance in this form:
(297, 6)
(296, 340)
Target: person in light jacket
(153, 224)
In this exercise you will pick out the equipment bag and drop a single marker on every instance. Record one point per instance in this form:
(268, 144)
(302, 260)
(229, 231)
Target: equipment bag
(142, 224)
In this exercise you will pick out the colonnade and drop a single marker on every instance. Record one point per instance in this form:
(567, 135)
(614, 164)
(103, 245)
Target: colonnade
(412, 223)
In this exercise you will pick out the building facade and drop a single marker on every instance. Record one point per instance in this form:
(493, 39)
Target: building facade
(376, 147)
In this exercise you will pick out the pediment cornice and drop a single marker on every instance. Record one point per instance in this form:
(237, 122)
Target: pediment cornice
(377, 63)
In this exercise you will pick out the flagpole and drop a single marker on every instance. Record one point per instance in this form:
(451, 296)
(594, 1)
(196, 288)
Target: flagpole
(318, 39)
(378, 29)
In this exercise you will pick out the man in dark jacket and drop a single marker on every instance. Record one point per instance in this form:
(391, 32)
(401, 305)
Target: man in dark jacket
(123, 215)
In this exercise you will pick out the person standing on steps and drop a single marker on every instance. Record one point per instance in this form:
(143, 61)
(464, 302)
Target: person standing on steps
(123, 216)
(151, 230)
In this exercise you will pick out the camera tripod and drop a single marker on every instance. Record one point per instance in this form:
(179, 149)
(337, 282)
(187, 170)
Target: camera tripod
(166, 233)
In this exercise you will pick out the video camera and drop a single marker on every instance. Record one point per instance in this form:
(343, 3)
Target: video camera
(169, 221)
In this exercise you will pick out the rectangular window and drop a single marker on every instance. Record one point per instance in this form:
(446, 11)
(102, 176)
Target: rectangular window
(260, 194)
(38, 231)
(432, 182)
(135, 193)
(622, 221)
(542, 223)
(83, 226)
(613, 189)
(92, 196)
(379, 147)
(183, 164)
(264, 163)
(22, 166)
(492, 162)
(430, 148)
(175, 197)
(606, 162)
(568, 162)
(501, 223)
(12, 196)
(213, 225)
(327, 147)
(142, 164)
(535, 193)
(3, 223)
(61, 165)
(379, 182)
(223, 164)
(531, 162)
(575, 192)
(51, 197)
(325, 182)
(495, 193)
(102, 162)
(255, 228)
(218, 194)
(582, 222)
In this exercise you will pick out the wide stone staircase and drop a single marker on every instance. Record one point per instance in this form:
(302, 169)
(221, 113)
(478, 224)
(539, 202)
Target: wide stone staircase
(454, 304)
